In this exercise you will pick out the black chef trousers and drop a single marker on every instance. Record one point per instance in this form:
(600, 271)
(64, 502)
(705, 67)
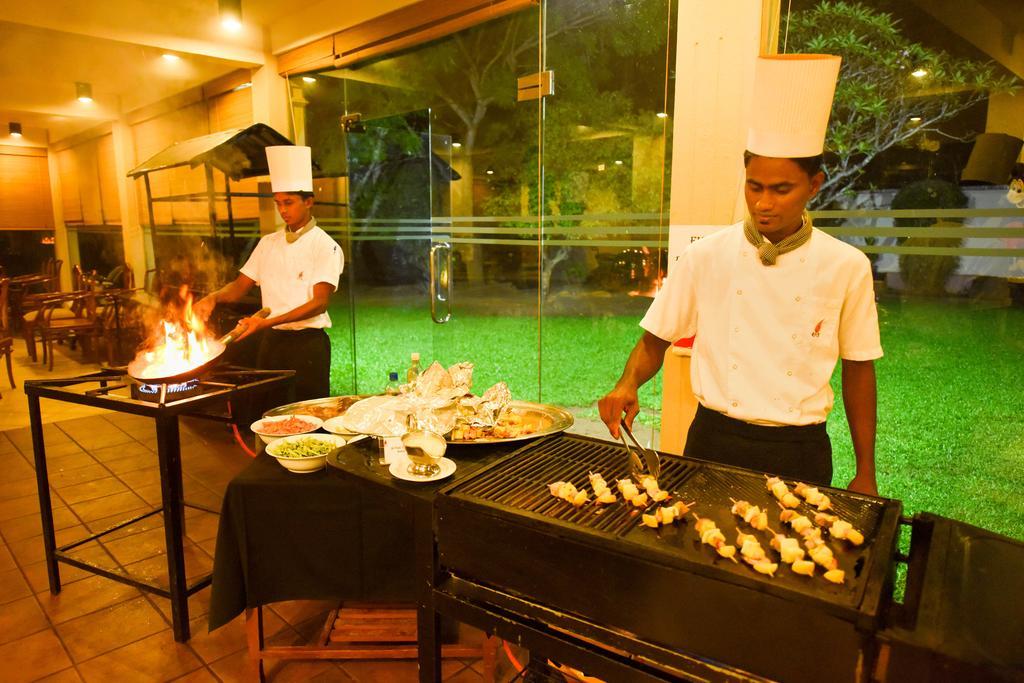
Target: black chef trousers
(307, 352)
(803, 453)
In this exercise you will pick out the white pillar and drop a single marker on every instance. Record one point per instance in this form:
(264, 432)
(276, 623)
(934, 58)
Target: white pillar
(270, 98)
(138, 247)
(716, 47)
(62, 247)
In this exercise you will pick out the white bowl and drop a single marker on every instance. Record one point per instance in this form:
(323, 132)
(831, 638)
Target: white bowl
(310, 463)
(315, 424)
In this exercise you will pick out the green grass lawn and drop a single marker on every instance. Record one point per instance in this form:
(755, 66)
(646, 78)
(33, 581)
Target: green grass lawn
(950, 399)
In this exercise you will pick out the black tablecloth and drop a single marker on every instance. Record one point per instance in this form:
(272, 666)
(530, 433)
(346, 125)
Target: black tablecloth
(343, 533)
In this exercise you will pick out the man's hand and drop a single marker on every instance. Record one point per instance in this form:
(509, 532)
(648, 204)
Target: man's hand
(865, 484)
(204, 307)
(252, 325)
(620, 400)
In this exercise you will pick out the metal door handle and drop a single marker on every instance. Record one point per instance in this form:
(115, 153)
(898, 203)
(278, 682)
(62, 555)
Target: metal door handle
(441, 281)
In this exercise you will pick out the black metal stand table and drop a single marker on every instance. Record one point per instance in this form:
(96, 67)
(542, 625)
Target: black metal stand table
(112, 390)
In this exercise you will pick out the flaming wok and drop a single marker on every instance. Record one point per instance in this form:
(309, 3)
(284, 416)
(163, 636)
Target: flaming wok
(181, 348)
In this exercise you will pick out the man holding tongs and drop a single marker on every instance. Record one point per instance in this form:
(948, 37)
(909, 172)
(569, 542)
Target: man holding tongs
(773, 303)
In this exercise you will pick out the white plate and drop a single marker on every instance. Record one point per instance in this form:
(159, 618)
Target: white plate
(334, 426)
(400, 470)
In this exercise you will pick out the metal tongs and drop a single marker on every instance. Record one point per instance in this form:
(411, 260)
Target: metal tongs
(636, 464)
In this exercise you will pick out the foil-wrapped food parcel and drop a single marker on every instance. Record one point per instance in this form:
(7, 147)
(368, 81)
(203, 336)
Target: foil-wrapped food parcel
(441, 401)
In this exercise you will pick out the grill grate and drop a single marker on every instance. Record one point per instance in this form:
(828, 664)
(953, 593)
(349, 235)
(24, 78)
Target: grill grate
(522, 484)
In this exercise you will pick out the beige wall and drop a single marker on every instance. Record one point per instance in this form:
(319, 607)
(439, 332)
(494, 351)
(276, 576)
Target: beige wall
(716, 46)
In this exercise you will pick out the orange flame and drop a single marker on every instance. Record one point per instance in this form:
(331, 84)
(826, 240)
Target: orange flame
(180, 343)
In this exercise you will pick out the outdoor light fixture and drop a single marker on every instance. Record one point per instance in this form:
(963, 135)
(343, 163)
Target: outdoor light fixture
(915, 119)
(919, 73)
(83, 91)
(661, 115)
(456, 145)
(490, 172)
(230, 14)
(15, 129)
(308, 79)
(170, 57)
(618, 162)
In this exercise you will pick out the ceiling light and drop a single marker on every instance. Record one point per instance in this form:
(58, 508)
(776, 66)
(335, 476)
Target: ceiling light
(243, 86)
(15, 129)
(168, 57)
(308, 79)
(456, 145)
(230, 14)
(83, 91)
(919, 73)
(661, 115)
(915, 119)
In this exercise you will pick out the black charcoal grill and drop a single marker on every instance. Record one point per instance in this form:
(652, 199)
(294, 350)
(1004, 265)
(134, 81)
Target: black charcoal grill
(505, 542)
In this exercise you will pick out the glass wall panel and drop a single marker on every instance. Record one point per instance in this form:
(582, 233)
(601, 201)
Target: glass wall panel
(607, 136)
(923, 175)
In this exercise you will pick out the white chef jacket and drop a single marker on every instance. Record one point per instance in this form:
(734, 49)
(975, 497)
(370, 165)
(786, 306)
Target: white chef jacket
(768, 337)
(286, 272)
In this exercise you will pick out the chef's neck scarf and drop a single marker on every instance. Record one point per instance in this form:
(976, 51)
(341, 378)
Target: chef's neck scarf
(292, 236)
(768, 251)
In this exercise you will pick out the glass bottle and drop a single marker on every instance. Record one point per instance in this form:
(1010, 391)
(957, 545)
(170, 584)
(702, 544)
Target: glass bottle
(414, 369)
(391, 388)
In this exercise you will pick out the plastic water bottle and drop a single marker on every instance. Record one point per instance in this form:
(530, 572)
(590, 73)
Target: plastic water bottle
(414, 369)
(391, 388)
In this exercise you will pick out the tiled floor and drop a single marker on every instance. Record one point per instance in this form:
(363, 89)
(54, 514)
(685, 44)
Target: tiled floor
(103, 469)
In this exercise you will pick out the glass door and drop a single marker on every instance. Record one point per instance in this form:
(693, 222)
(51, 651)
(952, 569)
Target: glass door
(486, 223)
(439, 164)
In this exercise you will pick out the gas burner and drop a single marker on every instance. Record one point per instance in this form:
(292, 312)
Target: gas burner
(173, 392)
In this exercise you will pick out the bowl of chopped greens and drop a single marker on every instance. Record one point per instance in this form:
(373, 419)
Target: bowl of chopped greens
(304, 452)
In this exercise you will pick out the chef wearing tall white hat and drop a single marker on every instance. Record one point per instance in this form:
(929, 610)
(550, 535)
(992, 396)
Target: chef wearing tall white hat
(773, 302)
(297, 268)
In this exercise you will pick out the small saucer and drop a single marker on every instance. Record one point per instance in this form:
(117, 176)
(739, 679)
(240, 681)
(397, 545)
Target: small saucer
(400, 470)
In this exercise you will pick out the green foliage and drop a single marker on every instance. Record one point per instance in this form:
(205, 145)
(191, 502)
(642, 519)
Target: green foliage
(924, 273)
(877, 94)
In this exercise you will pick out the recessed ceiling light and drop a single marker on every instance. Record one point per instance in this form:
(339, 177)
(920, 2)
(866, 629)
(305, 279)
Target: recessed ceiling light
(308, 79)
(14, 128)
(919, 73)
(230, 15)
(83, 91)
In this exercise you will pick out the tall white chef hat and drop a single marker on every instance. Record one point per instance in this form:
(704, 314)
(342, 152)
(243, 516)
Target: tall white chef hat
(792, 101)
(291, 168)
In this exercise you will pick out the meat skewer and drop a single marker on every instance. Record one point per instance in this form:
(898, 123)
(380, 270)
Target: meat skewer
(781, 492)
(666, 514)
(711, 535)
(751, 514)
(813, 496)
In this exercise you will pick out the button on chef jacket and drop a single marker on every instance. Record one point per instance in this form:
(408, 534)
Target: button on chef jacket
(287, 272)
(768, 337)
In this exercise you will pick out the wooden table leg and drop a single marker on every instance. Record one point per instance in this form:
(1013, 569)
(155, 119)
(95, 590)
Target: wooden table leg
(254, 637)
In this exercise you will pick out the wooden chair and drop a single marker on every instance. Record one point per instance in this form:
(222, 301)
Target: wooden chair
(83, 327)
(6, 340)
(30, 309)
